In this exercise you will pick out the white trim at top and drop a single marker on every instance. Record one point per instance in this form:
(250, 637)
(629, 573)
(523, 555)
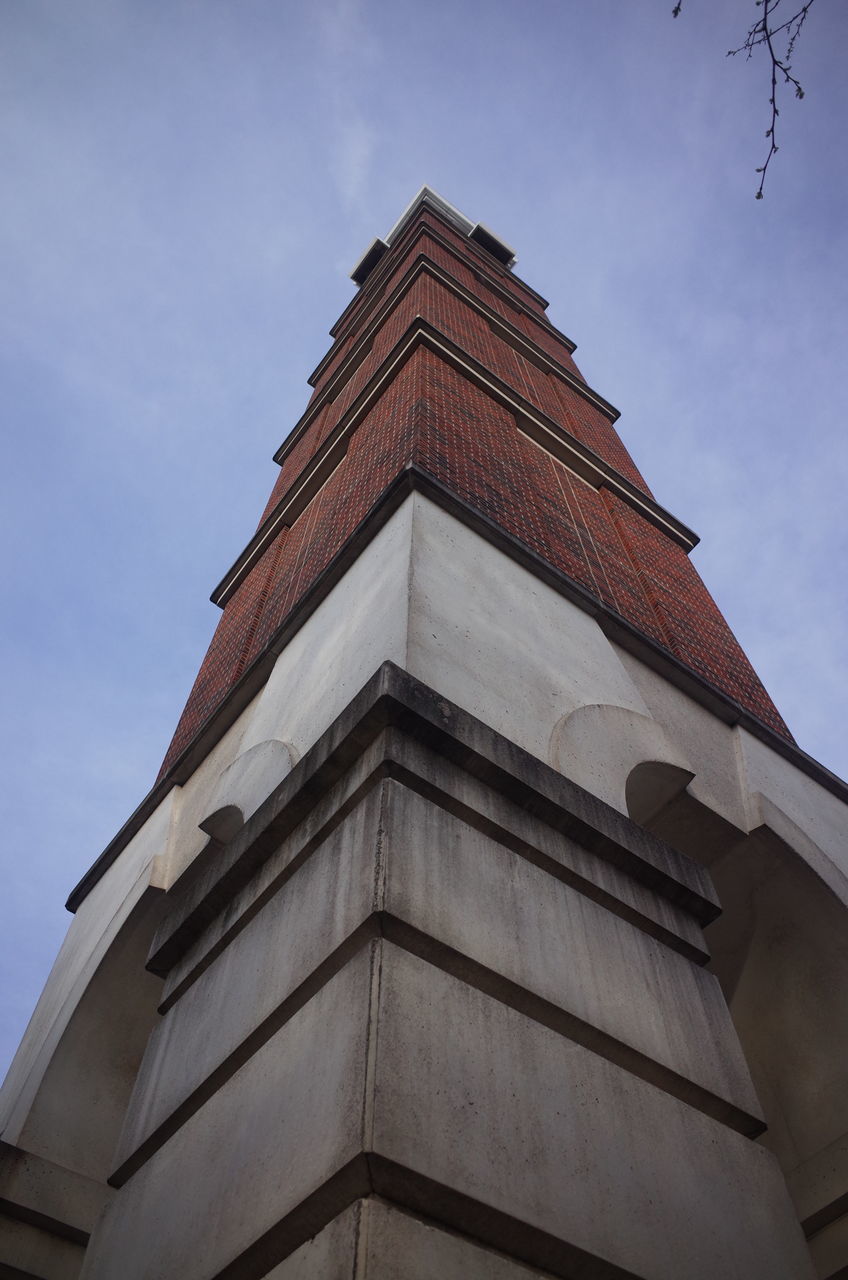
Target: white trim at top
(439, 202)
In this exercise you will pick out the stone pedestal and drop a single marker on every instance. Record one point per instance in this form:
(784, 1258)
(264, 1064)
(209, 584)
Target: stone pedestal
(436, 1011)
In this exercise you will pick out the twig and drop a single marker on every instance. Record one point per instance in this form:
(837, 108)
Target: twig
(762, 32)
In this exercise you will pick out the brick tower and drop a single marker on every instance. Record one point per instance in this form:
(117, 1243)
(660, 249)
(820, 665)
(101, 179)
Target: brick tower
(485, 920)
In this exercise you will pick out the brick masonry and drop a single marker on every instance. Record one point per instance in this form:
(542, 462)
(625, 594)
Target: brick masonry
(432, 416)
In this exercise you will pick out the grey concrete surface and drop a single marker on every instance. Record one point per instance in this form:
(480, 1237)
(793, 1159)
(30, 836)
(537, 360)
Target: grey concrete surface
(331, 1254)
(782, 957)
(463, 626)
(829, 1249)
(465, 894)
(798, 947)
(272, 1136)
(33, 1253)
(274, 850)
(529, 1142)
(108, 912)
(501, 1110)
(398, 1246)
(255, 772)
(40, 1187)
(494, 907)
(374, 1240)
(77, 1114)
(282, 946)
(395, 697)
(821, 1181)
(516, 818)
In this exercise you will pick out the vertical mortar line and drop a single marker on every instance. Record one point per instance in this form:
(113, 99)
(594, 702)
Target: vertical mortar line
(531, 389)
(328, 424)
(575, 523)
(653, 603)
(601, 559)
(311, 514)
(261, 601)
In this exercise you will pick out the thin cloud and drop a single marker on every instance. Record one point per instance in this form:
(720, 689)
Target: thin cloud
(355, 151)
(350, 55)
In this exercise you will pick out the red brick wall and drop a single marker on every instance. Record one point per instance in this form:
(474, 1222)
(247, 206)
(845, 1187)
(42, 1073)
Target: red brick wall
(432, 416)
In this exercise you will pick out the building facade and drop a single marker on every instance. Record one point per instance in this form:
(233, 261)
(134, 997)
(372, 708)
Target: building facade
(485, 919)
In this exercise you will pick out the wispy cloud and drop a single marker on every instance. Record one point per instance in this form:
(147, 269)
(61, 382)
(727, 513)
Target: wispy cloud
(354, 160)
(350, 56)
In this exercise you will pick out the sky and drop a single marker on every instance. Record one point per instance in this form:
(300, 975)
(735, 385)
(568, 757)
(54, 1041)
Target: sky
(186, 188)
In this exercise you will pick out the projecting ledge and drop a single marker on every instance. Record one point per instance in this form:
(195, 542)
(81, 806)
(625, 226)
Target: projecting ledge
(427, 197)
(368, 261)
(392, 697)
(54, 1198)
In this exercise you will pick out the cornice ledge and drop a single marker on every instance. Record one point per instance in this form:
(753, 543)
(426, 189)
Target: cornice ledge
(393, 698)
(530, 420)
(478, 259)
(424, 231)
(423, 265)
(576, 455)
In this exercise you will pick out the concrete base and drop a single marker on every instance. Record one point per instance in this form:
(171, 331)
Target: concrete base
(432, 970)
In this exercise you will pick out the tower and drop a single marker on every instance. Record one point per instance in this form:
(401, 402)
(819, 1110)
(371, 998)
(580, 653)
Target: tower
(484, 920)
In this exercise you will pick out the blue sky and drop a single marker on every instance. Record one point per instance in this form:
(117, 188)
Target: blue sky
(187, 185)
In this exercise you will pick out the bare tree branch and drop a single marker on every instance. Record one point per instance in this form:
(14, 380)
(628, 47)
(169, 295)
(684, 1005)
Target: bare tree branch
(764, 33)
